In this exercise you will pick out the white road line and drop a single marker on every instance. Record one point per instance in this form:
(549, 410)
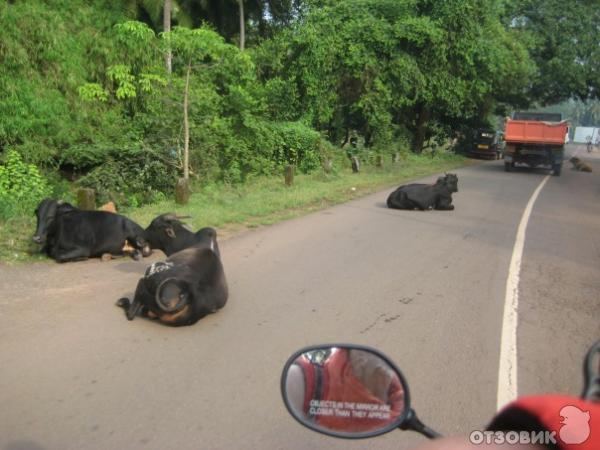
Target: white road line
(507, 374)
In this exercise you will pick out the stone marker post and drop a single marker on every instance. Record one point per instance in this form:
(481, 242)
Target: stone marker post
(289, 175)
(86, 199)
(182, 191)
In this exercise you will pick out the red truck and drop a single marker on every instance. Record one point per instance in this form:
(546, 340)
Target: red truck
(535, 139)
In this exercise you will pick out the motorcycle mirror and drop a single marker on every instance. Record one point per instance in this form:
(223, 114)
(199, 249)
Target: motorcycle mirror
(591, 373)
(347, 391)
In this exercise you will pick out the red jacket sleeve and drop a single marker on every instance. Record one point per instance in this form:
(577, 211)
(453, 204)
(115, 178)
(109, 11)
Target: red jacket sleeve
(572, 422)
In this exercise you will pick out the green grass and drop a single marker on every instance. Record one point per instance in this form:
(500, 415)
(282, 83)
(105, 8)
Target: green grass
(259, 202)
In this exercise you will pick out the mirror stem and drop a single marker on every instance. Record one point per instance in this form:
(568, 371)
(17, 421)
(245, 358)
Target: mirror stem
(412, 422)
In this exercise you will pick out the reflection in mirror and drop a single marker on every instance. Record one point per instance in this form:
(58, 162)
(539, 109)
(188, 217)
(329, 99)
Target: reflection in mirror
(345, 390)
(591, 372)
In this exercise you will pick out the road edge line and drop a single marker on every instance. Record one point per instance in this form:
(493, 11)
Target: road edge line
(507, 371)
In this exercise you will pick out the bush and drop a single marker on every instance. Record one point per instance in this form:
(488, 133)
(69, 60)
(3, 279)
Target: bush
(232, 153)
(132, 176)
(22, 187)
(297, 144)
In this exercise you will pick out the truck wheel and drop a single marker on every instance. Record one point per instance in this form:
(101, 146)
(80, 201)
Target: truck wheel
(556, 168)
(507, 167)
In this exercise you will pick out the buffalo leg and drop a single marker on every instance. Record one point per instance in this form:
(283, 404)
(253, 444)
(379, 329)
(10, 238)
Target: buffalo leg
(76, 254)
(422, 206)
(444, 205)
(131, 308)
(414, 203)
(399, 200)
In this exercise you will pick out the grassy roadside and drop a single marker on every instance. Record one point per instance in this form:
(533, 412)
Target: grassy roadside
(262, 201)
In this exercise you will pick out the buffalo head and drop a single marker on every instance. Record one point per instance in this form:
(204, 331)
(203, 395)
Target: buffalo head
(452, 182)
(46, 213)
(165, 231)
(207, 238)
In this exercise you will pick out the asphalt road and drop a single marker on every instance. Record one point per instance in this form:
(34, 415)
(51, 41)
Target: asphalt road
(426, 288)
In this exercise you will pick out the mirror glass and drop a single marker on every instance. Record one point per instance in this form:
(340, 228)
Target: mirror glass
(591, 389)
(346, 391)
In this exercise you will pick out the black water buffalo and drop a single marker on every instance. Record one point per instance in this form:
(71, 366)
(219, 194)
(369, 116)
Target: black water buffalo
(167, 233)
(70, 234)
(425, 196)
(184, 288)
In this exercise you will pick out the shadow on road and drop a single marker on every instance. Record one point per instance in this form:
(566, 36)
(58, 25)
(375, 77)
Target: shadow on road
(498, 166)
(134, 267)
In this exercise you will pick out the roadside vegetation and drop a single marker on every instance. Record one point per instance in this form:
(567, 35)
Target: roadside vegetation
(125, 97)
(262, 201)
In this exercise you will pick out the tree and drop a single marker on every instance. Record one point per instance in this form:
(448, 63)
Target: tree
(563, 40)
(153, 12)
(166, 28)
(242, 25)
(196, 48)
(398, 66)
(134, 75)
(248, 21)
(224, 15)
(586, 114)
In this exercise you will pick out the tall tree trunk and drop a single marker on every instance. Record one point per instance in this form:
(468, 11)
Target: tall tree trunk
(242, 25)
(484, 108)
(421, 127)
(166, 29)
(186, 124)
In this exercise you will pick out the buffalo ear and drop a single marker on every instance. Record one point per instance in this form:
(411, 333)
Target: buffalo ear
(170, 232)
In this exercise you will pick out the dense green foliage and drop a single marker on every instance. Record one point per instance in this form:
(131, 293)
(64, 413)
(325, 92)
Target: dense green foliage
(563, 39)
(84, 91)
(395, 68)
(261, 201)
(21, 186)
(47, 53)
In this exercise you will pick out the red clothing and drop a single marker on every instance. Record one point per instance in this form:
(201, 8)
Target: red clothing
(344, 403)
(576, 423)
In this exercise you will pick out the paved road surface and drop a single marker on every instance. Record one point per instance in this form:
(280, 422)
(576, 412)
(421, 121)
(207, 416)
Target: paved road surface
(427, 288)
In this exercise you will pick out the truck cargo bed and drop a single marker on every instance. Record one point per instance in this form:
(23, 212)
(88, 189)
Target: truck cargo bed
(533, 132)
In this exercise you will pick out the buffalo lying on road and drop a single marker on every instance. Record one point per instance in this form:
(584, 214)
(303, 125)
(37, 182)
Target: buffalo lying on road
(580, 165)
(70, 234)
(425, 196)
(167, 233)
(184, 288)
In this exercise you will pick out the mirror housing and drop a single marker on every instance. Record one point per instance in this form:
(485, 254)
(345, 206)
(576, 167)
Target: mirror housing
(344, 390)
(591, 374)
